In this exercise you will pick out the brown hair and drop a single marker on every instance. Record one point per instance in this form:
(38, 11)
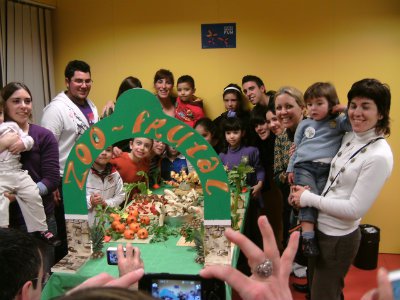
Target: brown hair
(164, 74)
(379, 93)
(10, 89)
(322, 89)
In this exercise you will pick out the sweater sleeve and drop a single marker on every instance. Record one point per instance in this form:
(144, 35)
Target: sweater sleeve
(372, 176)
(297, 141)
(50, 167)
(119, 195)
(52, 120)
(26, 139)
(344, 122)
(258, 168)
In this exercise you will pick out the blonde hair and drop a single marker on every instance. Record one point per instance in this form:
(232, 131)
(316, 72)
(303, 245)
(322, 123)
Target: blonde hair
(293, 92)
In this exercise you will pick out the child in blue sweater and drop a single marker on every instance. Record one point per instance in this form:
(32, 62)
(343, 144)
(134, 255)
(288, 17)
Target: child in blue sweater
(317, 140)
(173, 161)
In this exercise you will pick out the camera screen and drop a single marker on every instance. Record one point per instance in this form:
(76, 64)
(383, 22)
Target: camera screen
(175, 289)
(112, 258)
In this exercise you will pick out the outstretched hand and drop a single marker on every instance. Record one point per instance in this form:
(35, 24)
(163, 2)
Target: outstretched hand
(274, 287)
(105, 279)
(384, 289)
(130, 261)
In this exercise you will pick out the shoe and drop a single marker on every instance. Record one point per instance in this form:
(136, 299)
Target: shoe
(301, 288)
(50, 238)
(310, 247)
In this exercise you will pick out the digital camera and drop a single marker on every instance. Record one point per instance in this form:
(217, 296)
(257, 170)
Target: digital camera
(112, 258)
(179, 286)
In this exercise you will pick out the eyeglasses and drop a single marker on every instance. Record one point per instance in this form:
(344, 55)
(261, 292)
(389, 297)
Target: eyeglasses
(82, 81)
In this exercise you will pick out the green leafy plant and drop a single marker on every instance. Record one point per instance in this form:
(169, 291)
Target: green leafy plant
(162, 233)
(237, 179)
(144, 186)
(98, 231)
(194, 232)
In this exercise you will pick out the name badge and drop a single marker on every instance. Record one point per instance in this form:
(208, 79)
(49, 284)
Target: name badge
(309, 132)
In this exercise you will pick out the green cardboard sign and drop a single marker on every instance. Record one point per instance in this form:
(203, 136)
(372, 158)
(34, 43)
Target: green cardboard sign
(138, 113)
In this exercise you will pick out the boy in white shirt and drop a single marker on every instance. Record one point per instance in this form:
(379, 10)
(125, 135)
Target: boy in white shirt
(104, 185)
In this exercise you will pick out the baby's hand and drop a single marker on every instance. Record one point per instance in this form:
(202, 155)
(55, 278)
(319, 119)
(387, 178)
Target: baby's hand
(256, 189)
(8, 139)
(339, 108)
(17, 147)
(290, 177)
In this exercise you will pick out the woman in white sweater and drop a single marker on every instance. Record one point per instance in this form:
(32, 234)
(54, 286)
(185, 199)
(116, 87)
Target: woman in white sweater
(358, 172)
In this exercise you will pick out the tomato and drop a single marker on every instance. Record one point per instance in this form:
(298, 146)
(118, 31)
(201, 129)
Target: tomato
(120, 228)
(142, 233)
(131, 219)
(129, 234)
(107, 238)
(115, 224)
(115, 217)
(145, 220)
(134, 212)
(134, 227)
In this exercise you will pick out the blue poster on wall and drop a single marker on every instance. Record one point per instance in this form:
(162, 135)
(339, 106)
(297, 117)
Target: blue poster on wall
(221, 35)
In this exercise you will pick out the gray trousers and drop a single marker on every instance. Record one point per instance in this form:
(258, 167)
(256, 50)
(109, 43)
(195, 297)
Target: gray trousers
(328, 270)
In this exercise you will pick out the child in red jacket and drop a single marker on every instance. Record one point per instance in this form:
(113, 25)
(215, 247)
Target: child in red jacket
(189, 108)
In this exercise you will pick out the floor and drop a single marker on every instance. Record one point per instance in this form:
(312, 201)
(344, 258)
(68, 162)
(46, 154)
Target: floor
(357, 281)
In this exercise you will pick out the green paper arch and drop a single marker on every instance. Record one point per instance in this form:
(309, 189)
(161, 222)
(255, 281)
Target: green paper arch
(138, 113)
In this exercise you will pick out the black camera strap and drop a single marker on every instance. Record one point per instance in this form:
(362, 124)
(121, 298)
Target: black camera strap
(351, 157)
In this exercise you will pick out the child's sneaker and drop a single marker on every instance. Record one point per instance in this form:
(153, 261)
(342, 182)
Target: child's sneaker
(50, 238)
(310, 247)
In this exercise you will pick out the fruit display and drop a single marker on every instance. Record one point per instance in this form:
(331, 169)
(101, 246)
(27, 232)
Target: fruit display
(182, 179)
(178, 204)
(129, 225)
(146, 204)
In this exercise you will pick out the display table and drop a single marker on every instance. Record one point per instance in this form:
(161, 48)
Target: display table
(157, 258)
(165, 257)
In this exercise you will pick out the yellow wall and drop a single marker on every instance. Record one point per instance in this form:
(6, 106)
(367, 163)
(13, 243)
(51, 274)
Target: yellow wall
(283, 42)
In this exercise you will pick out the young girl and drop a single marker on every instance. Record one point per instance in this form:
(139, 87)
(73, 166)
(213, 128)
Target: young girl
(272, 121)
(157, 153)
(128, 164)
(236, 107)
(209, 131)
(236, 151)
(317, 140)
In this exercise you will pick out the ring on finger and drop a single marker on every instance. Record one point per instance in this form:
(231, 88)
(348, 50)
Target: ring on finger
(264, 269)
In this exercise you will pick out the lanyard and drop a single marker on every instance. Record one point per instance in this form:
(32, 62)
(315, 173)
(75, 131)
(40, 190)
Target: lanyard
(351, 157)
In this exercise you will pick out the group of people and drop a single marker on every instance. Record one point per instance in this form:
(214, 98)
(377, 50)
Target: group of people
(324, 158)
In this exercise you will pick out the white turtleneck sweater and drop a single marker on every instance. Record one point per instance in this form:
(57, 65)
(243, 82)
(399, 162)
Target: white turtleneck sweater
(357, 186)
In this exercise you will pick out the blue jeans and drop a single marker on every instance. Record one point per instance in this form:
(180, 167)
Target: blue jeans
(315, 175)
